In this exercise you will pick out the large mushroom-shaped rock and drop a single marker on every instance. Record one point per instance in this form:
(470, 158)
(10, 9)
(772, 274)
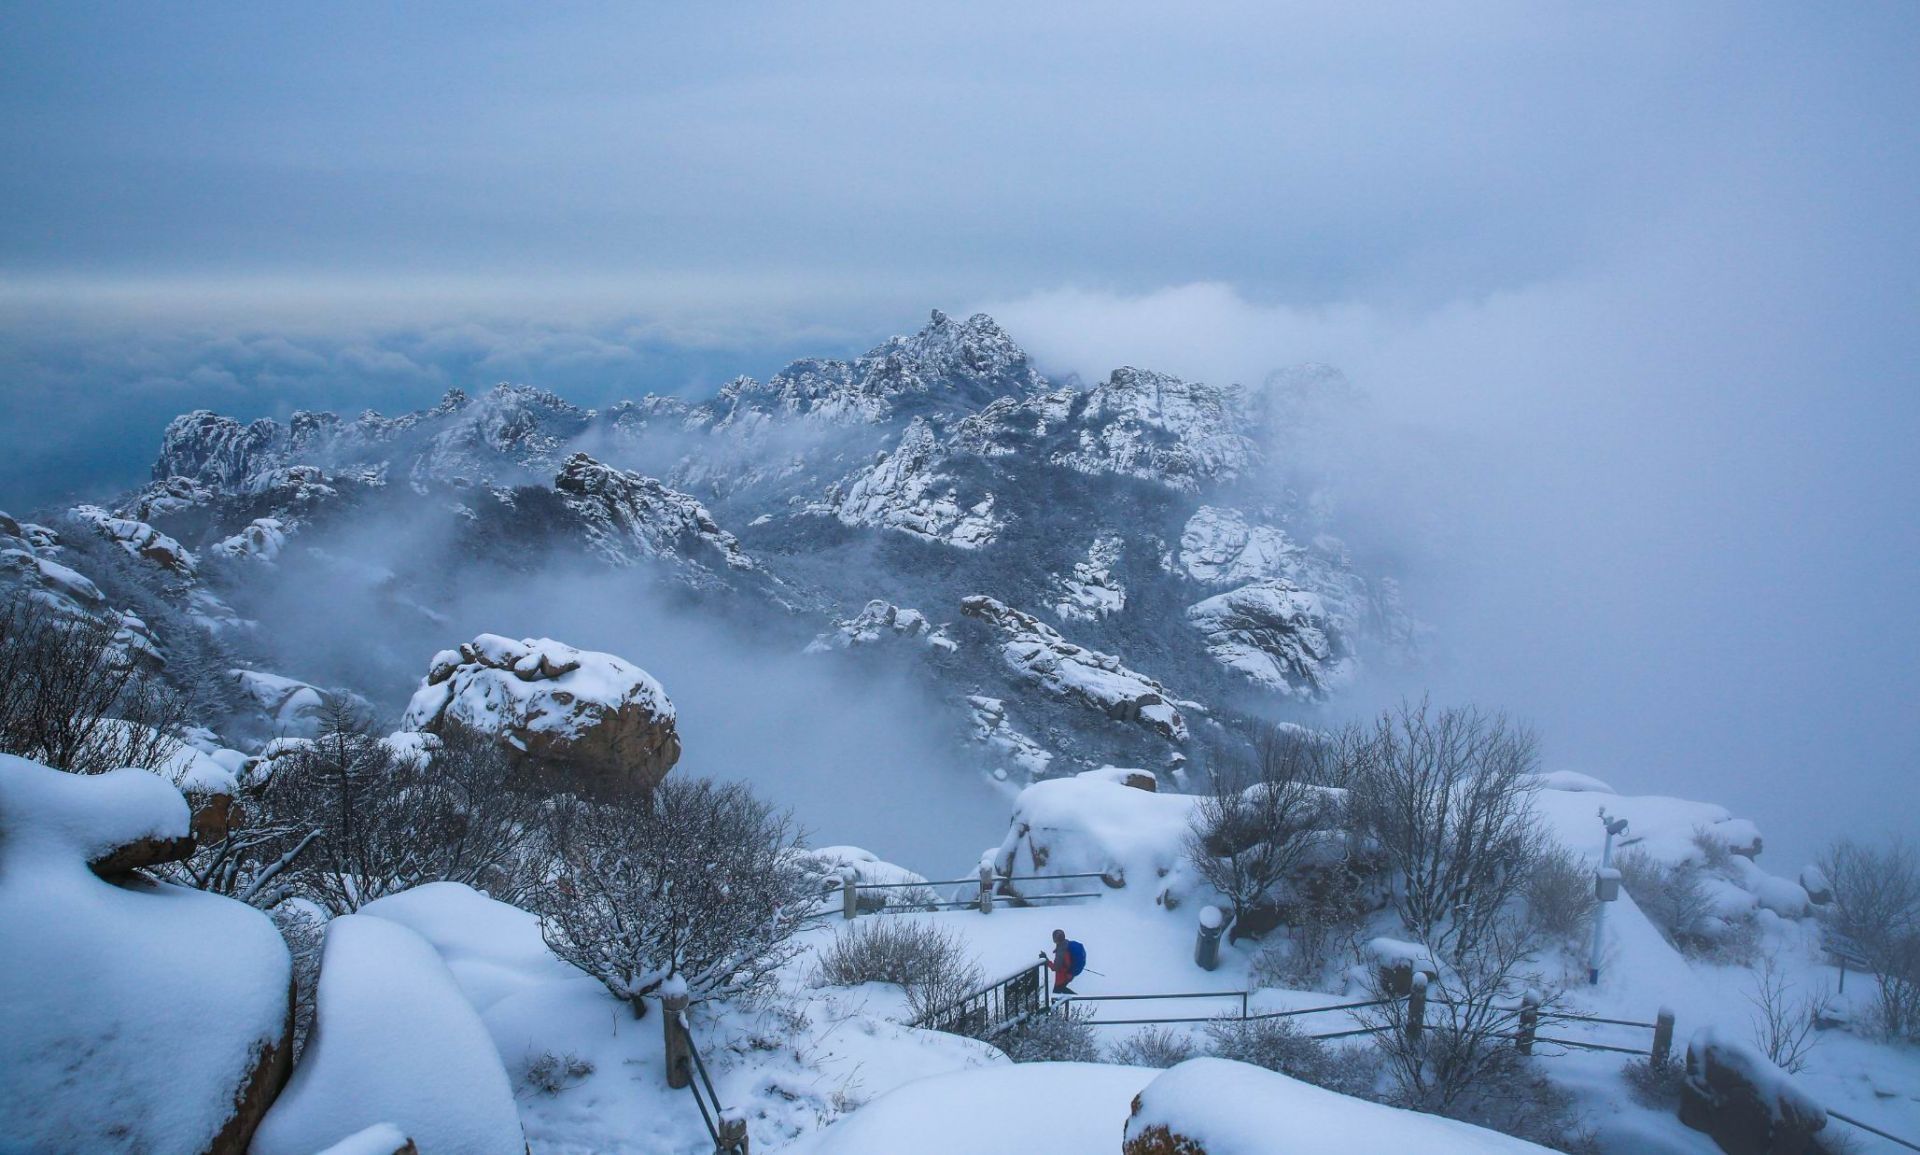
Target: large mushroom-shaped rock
(1219, 1107)
(574, 719)
(137, 1017)
(395, 1042)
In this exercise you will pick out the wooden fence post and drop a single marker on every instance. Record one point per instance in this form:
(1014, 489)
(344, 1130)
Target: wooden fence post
(733, 1134)
(1416, 1006)
(1663, 1037)
(849, 895)
(986, 888)
(673, 1008)
(1529, 1022)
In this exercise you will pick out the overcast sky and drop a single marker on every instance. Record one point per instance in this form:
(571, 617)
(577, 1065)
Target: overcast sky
(1651, 269)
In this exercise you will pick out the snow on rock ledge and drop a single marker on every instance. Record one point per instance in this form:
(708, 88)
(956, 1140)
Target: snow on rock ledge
(1037, 650)
(139, 1017)
(1219, 1107)
(1278, 636)
(394, 1042)
(576, 718)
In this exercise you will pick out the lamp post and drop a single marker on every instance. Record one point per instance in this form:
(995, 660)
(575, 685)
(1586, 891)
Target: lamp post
(1606, 888)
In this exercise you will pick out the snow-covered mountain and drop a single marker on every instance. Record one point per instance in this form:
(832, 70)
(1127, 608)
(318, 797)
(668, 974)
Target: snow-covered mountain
(1144, 528)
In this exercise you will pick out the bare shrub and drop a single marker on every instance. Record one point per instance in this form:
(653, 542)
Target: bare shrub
(1654, 1084)
(1876, 907)
(73, 698)
(1153, 1047)
(387, 823)
(1783, 1019)
(1063, 1036)
(1326, 919)
(305, 934)
(932, 964)
(1447, 796)
(1247, 838)
(1673, 897)
(1514, 1097)
(549, 1073)
(697, 883)
(1714, 852)
(1559, 895)
(1473, 1009)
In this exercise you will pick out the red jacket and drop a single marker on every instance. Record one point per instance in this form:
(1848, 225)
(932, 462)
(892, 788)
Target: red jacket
(1062, 965)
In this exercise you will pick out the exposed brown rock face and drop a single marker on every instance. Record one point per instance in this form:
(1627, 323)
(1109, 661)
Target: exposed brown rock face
(131, 856)
(1158, 1140)
(269, 1075)
(574, 720)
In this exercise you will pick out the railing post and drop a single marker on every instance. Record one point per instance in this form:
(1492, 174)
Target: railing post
(1663, 1037)
(986, 888)
(849, 895)
(673, 1009)
(1529, 1022)
(733, 1134)
(1416, 1006)
(1206, 948)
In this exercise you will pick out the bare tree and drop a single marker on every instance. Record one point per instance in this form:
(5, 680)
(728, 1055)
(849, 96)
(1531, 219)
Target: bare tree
(73, 698)
(1473, 1011)
(386, 823)
(1447, 796)
(1783, 1021)
(1876, 905)
(1247, 839)
(696, 884)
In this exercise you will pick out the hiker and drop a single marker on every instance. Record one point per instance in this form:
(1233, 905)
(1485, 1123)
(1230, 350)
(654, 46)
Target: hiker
(1069, 959)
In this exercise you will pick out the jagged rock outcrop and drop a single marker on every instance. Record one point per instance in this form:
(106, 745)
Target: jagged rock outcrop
(102, 984)
(574, 719)
(629, 517)
(139, 539)
(1092, 590)
(1015, 751)
(908, 490)
(1276, 636)
(1038, 652)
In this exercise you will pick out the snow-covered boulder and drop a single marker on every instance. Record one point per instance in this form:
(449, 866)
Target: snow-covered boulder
(1050, 1108)
(139, 539)
(291, 707)
(576, 719)
(1219, 1107)
(1037, 652)
(261, 540)
(138, 1017)
(1093, 824)
(394, 1042)
(1733, 1093)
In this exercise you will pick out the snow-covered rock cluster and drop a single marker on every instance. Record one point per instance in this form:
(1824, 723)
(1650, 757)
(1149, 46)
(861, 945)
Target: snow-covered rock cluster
(1099, 681)
(581, 720)
(880, 621)
(630, 518)
(907, 491)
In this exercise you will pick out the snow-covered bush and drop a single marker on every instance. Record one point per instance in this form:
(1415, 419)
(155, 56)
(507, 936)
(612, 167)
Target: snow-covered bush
(1876, 904)
(1064, 1036)
(548, 1073)
(1654, 1083)
(1153, 1047)
(1447, 796)
(73, 698)
(1559, 895)
(931, 963)
(697, 884)
(1673, 896)
(1248, 838)
(1276, 1044)
(1783, 1017)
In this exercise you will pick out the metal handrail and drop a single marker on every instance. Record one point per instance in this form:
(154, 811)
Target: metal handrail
(1907, 1143)
(710, 1118)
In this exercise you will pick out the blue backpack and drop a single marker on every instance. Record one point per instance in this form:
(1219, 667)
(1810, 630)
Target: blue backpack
(1077, 955)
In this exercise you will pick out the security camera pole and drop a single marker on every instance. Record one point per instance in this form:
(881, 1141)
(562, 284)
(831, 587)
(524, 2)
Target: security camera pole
(1606, 888)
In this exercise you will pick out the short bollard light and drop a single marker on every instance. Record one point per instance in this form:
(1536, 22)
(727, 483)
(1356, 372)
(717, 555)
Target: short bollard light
(1206, 949)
